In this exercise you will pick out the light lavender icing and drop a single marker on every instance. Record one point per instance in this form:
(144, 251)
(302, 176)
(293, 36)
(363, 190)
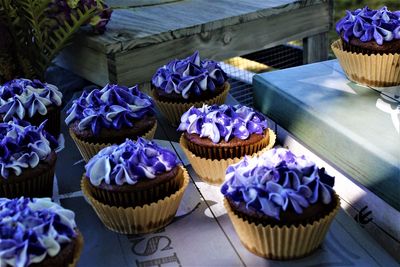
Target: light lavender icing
(277, 181)
(130, 162)
(223, 122)
(189, 76)
(23, 97)
(23, 146)
(32, 229)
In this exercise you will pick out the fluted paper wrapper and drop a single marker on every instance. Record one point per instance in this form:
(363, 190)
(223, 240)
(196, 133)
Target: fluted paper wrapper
(88, 150)
(143, 219)
(174, 111)
(370, 70)
(137, 198)
(281, 242)
(213, 171)
(35, 186)
(77, 251)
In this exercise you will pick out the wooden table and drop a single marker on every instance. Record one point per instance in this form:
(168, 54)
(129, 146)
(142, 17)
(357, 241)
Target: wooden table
(139, 40)
(201, 233)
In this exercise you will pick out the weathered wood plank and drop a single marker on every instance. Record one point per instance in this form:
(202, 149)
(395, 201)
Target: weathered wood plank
(315, 48)
(136, 3)
(140, 64)
(131, 28)
(85, 62)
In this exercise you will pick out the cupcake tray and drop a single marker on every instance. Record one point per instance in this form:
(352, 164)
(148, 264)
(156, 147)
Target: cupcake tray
(201, 233)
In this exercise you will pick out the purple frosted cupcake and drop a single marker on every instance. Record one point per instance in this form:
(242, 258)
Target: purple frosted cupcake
(27, 160)
(38, 232)
(283, 197)
(136, 173)
(108, 116)
(32, 101)
(369, 46)
(370, 31)
(135, 187)
(183, 83)
(217, 136)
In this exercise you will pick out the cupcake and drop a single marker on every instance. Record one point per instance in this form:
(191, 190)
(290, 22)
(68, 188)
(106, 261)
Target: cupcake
(183, 83)
(32, 101)
(108, 116)
(280, 205)
(216, 136)
(27, 160)
(369, 46)
(135, 187)
(38, 232)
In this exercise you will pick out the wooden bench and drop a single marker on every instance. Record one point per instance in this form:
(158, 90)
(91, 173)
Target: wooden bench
(141, 39)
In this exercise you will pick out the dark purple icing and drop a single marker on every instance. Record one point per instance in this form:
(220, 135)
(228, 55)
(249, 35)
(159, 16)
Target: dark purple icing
(20, 98)
(23, 146)
(366, 24)
(189, 76)
(223, 122)
(32, 229)
(277, 181)
(130, 162)
(113, 107)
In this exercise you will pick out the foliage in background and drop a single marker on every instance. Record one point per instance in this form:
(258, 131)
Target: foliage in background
(33, 32)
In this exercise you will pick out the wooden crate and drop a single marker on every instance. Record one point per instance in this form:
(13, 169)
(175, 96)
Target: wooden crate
(139, 40)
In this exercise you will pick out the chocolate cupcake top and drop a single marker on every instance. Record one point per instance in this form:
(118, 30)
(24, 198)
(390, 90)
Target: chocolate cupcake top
(23, 97)
(366, 24)
(113, 107)
(23, 146)
(223, 122)
(32, 229)
(129, 163)
(189, 76)
(277, 181)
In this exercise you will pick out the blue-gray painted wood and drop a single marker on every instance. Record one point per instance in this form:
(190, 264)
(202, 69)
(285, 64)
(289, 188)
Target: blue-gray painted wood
(346, 124)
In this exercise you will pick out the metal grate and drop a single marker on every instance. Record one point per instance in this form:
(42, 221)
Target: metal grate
(242, 69)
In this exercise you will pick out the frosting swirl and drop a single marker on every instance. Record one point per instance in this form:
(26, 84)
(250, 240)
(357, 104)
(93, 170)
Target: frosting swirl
(32, 229)
(277, 181)
(130, 162)
(23, 97)
(23, 146)
(223, 122)
(189, 76)
(113, 107)
(366, 24)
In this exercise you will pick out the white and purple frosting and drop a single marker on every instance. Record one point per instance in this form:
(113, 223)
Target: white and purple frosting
(189, 76)
(112, 107)
(223, 122)
(277, 181)
(23, 97)
(23, 146)
(32, 229)
(130, 162)
(366, 24)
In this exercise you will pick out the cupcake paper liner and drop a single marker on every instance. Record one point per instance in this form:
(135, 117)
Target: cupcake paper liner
(213, 171)
(281, 242)
(174, 111)
(35, 186)
(231, 152)
(143, 219)
(138, 198)
(77, 250)
(88, 150)
(371, 70)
